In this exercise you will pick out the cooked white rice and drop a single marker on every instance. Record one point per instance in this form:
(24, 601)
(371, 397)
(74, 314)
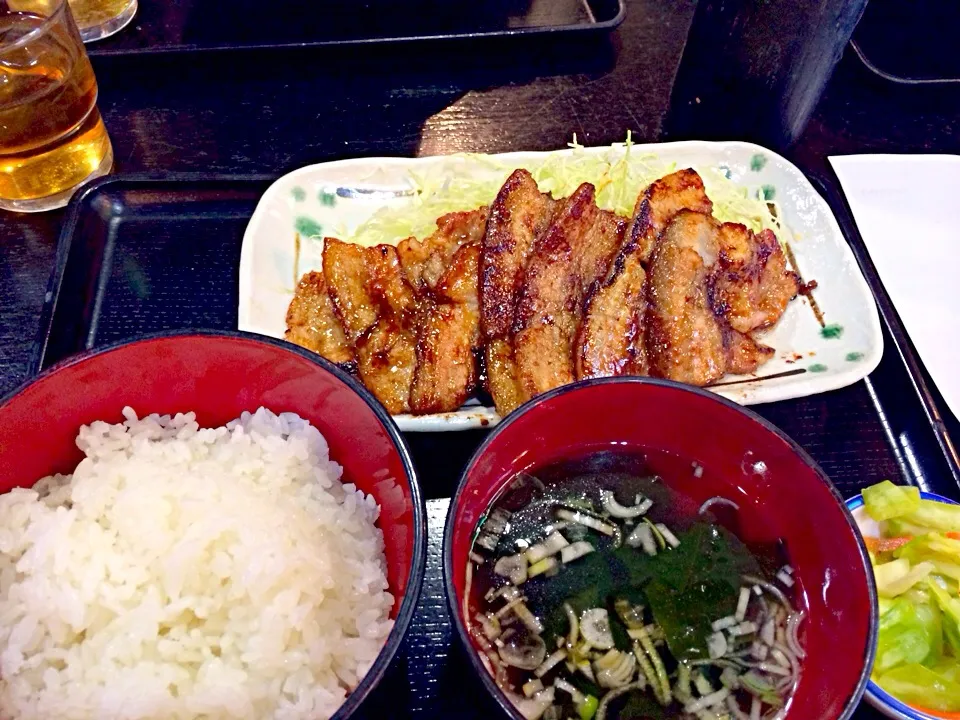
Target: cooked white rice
(183, 572)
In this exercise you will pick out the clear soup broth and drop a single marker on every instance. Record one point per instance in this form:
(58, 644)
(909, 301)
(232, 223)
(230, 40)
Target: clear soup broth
(599, 590)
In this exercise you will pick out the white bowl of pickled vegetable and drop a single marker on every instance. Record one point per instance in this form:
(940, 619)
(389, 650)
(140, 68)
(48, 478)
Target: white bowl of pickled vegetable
(913, 538)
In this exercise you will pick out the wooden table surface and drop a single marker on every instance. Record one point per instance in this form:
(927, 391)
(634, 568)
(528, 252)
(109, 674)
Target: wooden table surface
(268, 112)
(273, 111)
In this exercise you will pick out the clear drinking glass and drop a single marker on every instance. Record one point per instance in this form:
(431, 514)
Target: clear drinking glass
(102, 18)
(52, 138)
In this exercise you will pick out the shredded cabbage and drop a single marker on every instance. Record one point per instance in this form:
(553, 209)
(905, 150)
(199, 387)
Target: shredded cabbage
(619, 175)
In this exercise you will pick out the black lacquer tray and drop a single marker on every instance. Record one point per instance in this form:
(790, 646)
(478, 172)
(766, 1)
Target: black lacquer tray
(198, 25)
(145, 254)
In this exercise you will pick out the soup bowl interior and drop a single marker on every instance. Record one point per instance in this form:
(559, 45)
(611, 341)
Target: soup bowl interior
(218, 377)
(781, 492)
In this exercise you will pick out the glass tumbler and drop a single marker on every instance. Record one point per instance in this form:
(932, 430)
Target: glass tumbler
(52, 138)
(102, 18)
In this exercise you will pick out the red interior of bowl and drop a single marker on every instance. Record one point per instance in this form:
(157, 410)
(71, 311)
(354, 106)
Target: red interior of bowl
(218, 377)
(788, 497)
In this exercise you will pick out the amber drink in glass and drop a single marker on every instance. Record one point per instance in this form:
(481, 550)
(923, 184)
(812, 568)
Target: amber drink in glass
(52, 138)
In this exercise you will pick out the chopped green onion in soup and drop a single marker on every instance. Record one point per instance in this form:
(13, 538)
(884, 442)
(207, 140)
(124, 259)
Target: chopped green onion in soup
(610, 595)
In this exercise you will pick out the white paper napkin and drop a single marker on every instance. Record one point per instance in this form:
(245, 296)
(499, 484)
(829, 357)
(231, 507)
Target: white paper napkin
(907, 208)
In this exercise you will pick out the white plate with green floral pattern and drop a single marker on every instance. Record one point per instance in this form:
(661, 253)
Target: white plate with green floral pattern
(827, 339)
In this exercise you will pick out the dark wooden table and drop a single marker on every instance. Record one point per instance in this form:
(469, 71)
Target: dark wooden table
(272, 111)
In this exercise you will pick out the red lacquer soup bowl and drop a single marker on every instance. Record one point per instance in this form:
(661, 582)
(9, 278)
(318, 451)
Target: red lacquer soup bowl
(725, 450)
(219, 376)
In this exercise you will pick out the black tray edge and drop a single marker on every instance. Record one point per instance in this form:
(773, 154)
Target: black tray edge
(891, 318)
(68, 231)
(546, 30)
(442, 639)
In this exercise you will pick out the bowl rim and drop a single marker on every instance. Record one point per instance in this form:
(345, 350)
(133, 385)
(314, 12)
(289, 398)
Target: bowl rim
(415, 576)
(852, 700)
(874, 694)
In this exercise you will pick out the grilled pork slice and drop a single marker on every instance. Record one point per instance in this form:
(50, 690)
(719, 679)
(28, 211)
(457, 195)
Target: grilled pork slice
(752, 283)
(612, 338)
(518, 216)
(311, 322)
(378, 311)
(574, 252)
(425, 261)
(386, 360)
(348, 283)
(744, 354)
(685, 339)
(389, 286)
(447, 335)
(502, 380)
(659, 204)
(365, 283)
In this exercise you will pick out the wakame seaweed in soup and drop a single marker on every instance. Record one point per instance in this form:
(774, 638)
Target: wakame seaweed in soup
(596, 590)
